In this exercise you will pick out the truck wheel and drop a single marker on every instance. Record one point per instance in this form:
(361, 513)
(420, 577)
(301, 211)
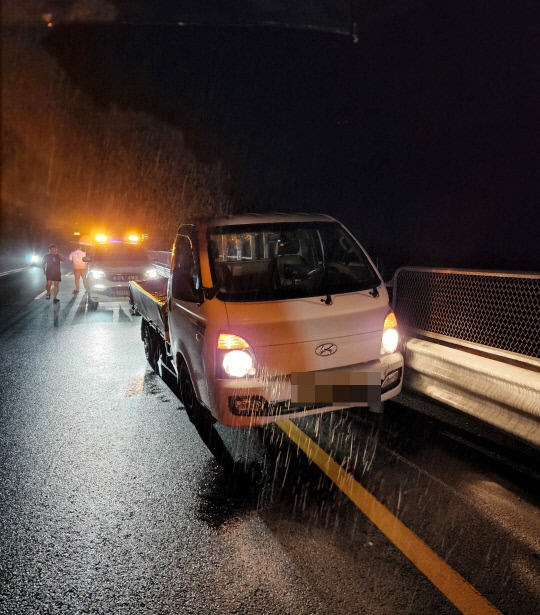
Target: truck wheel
(203, 421)
(151, 345)
(198, 414)
(187, 394)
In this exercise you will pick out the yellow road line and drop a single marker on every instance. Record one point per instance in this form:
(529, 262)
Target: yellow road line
(463, 595)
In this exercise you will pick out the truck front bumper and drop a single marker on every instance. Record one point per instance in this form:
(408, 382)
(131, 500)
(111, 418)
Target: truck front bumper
(254, 401)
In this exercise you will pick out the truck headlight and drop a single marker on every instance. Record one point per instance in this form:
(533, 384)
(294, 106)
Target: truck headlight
(96, 274)
(151, 274)
(235, 358)
(390, 336)
(238, 363)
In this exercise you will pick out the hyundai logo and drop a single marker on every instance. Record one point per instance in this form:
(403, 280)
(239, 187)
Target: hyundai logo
(325, 349)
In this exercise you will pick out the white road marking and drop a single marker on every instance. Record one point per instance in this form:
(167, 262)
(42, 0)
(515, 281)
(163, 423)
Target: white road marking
(116, 313)
(73, 310)
(12, 271)
(40, 294)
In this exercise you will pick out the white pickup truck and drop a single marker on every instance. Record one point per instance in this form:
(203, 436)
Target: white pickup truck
(266, 316)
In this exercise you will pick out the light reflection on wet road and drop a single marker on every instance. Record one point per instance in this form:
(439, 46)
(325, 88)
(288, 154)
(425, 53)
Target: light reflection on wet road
(111, 503)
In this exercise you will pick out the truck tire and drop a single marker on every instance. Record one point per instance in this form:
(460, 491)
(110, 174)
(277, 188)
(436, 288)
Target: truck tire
(151, 345)
(203, 421)
(197, 413)
(187, 394)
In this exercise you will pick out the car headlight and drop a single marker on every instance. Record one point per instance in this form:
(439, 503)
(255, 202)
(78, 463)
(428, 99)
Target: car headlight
(33, 258)
(96, 274)
(151, 274)
(390, 336)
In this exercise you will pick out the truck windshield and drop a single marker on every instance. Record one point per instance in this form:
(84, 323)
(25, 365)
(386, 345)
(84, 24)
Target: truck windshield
(268, 262)
(120, 252)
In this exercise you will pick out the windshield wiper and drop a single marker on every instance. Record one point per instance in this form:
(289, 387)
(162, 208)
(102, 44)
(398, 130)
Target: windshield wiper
(328, 300)
(374, 292)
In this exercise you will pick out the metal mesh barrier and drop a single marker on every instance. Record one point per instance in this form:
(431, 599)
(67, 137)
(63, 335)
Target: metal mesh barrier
(496, 310)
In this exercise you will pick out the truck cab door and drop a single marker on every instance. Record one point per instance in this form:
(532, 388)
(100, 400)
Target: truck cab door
(187, 322)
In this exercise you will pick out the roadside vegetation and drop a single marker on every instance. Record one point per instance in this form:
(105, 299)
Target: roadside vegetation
(69, 163)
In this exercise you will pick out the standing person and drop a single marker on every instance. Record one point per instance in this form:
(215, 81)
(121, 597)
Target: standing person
(51, 269)
(79, 267)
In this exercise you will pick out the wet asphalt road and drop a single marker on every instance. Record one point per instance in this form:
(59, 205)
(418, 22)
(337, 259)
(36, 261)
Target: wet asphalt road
(17, 290)
(111, 503)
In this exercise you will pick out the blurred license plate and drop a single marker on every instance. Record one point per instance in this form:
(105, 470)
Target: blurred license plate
(336, 388)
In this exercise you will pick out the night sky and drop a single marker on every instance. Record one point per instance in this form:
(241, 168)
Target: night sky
(420, 137)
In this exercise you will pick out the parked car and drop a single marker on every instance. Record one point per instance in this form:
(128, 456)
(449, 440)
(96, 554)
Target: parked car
(111, 267)
(271, 316)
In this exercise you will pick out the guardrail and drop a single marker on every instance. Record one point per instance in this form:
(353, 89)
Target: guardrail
(472, 342)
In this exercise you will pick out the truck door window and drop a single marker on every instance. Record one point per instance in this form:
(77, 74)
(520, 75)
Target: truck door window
(185, 275)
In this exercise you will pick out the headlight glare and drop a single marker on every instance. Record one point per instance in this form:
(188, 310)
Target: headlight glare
(238, 363)
(390, 340)
(97, 274)
(151, 274)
